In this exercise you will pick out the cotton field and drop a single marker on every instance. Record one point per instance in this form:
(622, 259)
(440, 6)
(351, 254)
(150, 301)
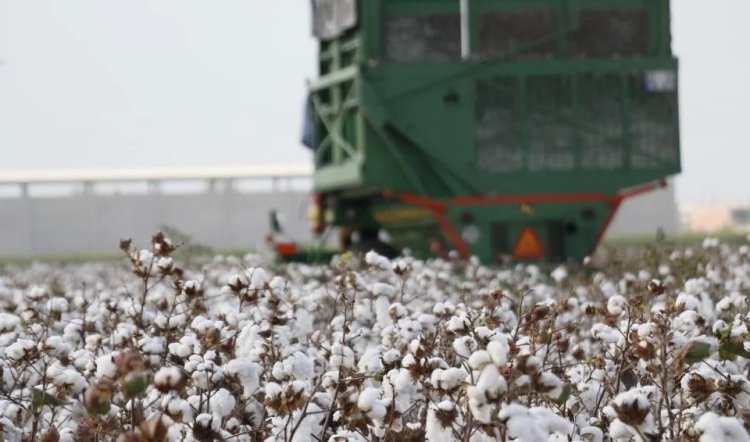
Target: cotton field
(648, 347)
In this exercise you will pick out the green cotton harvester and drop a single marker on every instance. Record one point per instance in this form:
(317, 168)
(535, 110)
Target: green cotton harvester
(495, 128)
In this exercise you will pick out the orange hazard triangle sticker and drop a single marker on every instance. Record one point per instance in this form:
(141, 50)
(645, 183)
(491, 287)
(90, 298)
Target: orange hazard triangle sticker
(528, 245)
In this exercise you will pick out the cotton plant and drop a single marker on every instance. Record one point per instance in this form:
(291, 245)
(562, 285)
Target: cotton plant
(242, 348)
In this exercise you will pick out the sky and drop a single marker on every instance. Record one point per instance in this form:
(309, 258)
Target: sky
(91, 84)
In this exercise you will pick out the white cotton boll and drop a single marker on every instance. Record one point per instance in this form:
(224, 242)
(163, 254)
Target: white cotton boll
(525, 429)
(444, 308)
(208, 422)
(608, 289)
(457, 323)
(523, 380)
(277, 284)
(37, 293)
(434, 429)
(164, 263)
(498, 351)
(559, 274)
(414, 345)
(347, 436)
(724, 305)
(687, 301)
(591, 434)
(57, 305)
(381, 307)
(66, 377)
(464, 346)
(273, 390)
(248, 372)
(429, 322)
(200, 379)
(616, 305)
(552, 423)
(370, 403)
(176, 407)
(82, 359)
(257, 277)
(452, 378)
(370, 361)
(105, 366)
(58, 345)
(739, 328)
(397, 311)
(664, 270)
(168, 378)
(491, 382)
(713, 428)
(634, 404)
(73, 332)
(222, 402)
(408, 361)
(8, 322)
(404, 386)
(606, 334)
(383, 289)
(551, 384)
(533, 425)
(711, 243)
(341, 356)
(297, 387)
(374, 260)
(248, 337)
(278, 372)
(309, 425)
(479, 359)
(302, 366)
(391, 356)
(145, 256)
(480, 409)
(436, 376)
(153, 345)
(185, 347)
(619, 431)
(169, 323)
(646, 330)
(19, 349)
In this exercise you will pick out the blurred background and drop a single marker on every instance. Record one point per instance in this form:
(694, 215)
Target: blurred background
(118, 117)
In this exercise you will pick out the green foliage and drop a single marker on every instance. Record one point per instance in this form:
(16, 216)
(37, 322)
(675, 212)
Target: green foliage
(698, 352)
(40, 398)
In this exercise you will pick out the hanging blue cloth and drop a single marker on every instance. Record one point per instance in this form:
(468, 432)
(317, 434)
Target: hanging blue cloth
(308, 127)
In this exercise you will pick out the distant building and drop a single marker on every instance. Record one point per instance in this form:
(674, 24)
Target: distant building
(714, 217)
(646, 214)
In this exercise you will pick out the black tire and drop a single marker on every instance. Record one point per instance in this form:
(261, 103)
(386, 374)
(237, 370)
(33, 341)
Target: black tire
(379, 247)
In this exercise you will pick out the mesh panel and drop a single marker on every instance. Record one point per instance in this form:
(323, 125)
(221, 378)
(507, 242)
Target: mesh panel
(652, 127)
(623, 33)
(499, 147)
(554, 138)
(601, 131)
(332, 17)
(423, 38)
(517, 34)
(550, 129)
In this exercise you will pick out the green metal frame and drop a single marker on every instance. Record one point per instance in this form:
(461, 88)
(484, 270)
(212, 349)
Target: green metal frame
(411, 127)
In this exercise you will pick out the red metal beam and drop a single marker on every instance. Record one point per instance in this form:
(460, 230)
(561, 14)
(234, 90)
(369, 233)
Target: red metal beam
(528, 199)
(452, 234)
(438, 207)
(614, 206)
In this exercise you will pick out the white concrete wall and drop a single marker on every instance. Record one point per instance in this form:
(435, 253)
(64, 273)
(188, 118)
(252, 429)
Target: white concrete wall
(36, 226)
(95, 223)
(645, 214)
